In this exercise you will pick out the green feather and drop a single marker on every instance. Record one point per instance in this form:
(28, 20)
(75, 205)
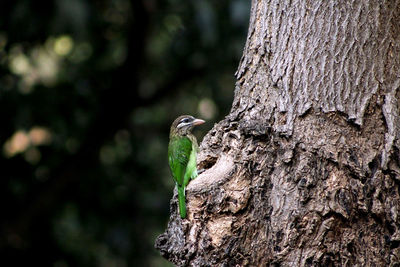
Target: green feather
(182, 201)
(179, 151)
(179, 156)
(191, 168)
(182, 153)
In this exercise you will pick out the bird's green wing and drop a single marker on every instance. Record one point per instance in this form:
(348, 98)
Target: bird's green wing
(179, 150)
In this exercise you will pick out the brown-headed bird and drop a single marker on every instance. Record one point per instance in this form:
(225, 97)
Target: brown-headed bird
(182, 155)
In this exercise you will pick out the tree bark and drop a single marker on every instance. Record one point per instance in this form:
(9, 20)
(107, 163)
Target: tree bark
(304, 170)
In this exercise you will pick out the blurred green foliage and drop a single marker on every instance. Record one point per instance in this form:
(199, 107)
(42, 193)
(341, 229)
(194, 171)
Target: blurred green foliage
(88, 90)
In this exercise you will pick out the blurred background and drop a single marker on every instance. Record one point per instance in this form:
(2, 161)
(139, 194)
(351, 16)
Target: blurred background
(88, 90)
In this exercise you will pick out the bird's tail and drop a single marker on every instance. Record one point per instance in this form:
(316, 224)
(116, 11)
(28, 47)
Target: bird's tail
(182, 201)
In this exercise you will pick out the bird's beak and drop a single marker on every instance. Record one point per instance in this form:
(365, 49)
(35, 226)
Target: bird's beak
(198, 122)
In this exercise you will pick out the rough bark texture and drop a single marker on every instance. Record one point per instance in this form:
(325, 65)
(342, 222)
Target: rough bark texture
(305, 169)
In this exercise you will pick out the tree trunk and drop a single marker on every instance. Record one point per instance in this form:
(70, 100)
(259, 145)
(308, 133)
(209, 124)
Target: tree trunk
(305, 168)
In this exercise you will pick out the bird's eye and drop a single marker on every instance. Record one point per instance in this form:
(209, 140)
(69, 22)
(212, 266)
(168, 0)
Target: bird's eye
(185, 120)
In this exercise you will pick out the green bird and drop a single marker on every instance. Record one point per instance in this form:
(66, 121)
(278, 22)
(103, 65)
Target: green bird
(182, 154)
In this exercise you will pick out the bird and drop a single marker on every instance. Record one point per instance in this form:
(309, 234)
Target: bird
(182, 155)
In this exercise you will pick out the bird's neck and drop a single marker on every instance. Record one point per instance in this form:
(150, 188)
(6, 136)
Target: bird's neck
(179, 133)
(174, 134)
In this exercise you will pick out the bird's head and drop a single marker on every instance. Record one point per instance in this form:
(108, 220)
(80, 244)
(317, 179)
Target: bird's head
(184, 124)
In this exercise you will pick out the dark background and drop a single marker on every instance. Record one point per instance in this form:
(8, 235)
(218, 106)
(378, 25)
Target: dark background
(88, 90)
